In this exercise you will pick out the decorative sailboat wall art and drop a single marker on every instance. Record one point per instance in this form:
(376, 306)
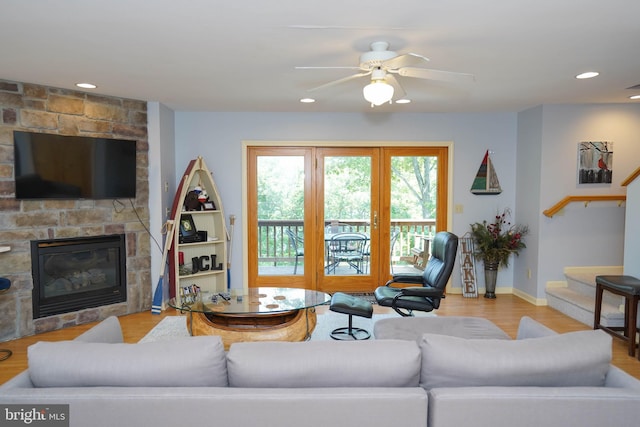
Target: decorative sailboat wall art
(486, 180)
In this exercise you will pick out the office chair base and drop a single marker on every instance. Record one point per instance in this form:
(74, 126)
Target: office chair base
(350, 334)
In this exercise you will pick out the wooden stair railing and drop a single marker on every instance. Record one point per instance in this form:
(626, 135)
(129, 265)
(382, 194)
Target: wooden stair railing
(631, 177)
(586, 199)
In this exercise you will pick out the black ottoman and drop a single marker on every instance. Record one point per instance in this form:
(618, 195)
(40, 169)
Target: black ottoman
(353, 306)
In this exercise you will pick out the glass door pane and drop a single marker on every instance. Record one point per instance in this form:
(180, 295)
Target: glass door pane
(347, 213)
(348, 230)
(414, 197)
(279, 221)
(280, 191)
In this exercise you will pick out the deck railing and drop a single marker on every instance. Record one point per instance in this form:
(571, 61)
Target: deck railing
(274, 246)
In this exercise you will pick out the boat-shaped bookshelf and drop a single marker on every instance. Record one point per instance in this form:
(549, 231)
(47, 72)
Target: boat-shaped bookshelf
(198, 256)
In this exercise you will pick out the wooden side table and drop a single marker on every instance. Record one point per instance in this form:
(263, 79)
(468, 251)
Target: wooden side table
(629, 288)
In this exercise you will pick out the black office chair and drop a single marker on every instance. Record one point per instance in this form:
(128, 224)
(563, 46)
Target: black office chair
(298, 247)
(429, 287)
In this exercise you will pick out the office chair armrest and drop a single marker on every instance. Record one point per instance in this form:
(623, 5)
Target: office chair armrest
(424, 292)
(417, 279)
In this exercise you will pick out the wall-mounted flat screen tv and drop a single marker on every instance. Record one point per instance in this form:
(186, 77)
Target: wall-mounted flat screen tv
(49, 166)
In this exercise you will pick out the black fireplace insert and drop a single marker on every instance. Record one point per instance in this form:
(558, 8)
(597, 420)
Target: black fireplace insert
(75, 274)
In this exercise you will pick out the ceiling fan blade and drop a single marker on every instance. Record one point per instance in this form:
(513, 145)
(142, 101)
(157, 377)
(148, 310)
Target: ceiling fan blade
(328, 68)
(398, 90)
(339, 81)
(405, 60)
(446, 76)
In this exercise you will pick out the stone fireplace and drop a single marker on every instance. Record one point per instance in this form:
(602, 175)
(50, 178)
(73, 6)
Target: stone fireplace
(36, 108)
(75, 274)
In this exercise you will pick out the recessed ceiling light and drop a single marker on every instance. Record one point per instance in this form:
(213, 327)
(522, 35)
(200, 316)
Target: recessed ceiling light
(634, 97)
(86, 85)
(587, 75)
(307, 100)
(402, 101)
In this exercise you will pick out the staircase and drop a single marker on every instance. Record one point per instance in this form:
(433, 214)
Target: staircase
(576, 296)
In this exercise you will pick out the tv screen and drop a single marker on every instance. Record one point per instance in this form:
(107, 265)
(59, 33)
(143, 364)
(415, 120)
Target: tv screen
(49, 166)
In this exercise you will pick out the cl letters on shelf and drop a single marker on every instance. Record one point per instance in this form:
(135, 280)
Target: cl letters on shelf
(205, 263)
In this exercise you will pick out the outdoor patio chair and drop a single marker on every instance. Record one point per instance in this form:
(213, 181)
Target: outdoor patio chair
(297, 243)
(346, 247)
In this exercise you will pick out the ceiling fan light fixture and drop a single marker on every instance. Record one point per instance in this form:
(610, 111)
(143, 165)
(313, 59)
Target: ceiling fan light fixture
(587, 75)
(378, 92)
(86, 85)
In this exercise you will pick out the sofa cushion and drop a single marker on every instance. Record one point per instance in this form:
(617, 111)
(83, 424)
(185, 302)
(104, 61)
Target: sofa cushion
(529, 328)
(572, 359)
(388, 363)
(107, 331)
(187, 362)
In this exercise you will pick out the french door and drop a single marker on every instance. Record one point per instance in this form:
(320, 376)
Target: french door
(300, 200)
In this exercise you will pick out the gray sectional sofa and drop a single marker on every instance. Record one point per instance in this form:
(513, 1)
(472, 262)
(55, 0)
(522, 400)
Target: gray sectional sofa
(435, 381)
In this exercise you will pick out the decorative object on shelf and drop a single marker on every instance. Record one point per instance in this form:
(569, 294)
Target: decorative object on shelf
(188, 229)
(494, 244)
(466, 248)
(190, 294)
(204, 263)
(191, 202)
(486, 180)
(199, 253)
(595, 162)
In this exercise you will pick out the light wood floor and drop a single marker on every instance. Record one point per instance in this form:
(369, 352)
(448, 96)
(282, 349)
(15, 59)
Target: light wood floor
(505, 311)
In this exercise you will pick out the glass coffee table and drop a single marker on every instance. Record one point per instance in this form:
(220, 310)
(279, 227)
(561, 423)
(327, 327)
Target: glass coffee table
(258, 314)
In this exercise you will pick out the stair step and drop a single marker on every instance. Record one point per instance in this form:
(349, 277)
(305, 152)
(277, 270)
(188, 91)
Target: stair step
(581, 307)
(585, 283)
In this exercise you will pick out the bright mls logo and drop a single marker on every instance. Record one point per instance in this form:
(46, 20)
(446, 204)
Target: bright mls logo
(35, 415)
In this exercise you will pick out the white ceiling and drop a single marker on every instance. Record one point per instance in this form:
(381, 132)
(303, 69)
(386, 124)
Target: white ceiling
(240, 55)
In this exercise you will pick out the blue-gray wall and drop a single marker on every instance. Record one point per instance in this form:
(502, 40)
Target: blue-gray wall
(534, 153)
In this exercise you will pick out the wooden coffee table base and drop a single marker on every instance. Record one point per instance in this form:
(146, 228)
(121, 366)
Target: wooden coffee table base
(295, 325)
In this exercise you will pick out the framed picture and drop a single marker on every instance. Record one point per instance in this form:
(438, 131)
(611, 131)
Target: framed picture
(209, 206)
(187, 226)
(595, 159)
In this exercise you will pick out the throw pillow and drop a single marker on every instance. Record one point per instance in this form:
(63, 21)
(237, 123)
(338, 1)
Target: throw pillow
(187, 362)
(572, 359)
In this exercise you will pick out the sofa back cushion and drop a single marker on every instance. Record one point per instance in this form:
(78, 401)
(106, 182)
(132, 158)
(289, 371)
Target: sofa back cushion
(187, 362)
(109, 330)
(572, 359)
(385, 363)
(529, 328)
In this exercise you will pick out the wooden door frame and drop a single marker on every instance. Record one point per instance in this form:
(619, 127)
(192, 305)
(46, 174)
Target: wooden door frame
(355, 282)
(443, 213)
(309, 218)
(449, 145)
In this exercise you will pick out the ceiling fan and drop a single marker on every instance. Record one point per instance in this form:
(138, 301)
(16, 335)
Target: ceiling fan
(382, 65)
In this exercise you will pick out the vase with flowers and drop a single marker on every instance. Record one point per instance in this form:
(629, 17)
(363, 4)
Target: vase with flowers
(494, 243)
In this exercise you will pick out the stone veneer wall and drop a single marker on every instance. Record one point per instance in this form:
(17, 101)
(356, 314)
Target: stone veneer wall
(36, 108)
